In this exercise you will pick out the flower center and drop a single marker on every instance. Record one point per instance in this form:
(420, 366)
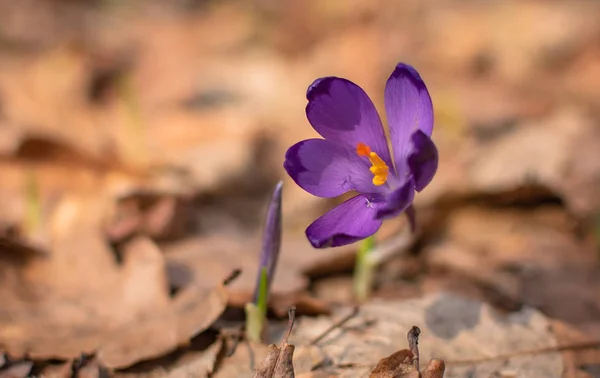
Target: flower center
(378, 168)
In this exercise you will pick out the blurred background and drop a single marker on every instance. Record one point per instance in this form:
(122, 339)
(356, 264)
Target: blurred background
(140, 142)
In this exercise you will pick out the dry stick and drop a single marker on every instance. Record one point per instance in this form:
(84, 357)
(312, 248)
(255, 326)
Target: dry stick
(237, 335)
(413, 344)
(560, 348)
(291, 320)
(232, 276)
(335, 325)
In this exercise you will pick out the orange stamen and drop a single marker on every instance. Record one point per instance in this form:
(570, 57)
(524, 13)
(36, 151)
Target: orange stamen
(379, 169)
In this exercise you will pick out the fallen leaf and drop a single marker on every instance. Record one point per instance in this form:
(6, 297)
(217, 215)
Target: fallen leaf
(405, 362)
(435, 369)
(525, 256)
(399, 364)
(60, 370)
(17, 370)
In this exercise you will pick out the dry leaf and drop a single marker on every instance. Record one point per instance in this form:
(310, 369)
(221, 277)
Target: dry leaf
(61, 370)
(525, 256)
(17, 370)
(405, 363)
(435, 369)
(399, 364)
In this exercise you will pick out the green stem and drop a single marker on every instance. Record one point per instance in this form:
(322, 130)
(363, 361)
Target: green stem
(256, 313)
(364, 270)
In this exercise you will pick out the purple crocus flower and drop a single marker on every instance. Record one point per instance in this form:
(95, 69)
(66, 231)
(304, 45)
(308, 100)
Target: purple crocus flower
(354, 154)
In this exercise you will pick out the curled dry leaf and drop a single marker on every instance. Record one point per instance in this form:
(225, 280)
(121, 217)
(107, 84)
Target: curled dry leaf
(399, 364)
(435, 369)
(17, 370)
(60, 370)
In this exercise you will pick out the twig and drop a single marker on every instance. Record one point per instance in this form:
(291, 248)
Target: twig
(413, 344)
(236, 335)
(335, 325)
(232, 276)
(291, 320)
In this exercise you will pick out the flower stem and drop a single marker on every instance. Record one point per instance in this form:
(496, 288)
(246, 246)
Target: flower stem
(256, 313)
(364, 270)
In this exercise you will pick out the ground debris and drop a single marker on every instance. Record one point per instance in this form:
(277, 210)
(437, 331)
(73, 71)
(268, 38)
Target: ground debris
(279, 361)
(473, 339)
(405, 362)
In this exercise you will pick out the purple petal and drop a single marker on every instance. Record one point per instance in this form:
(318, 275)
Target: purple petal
(342, 113)
(327, 170)
(397, 201)
(409, 108)
(347, 223)
(423, 159)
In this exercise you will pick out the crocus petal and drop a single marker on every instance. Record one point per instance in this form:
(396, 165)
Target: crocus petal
(422, 160)
(326, 169)
(397, 201)
(347, 223)
(342, 113)
(408, 108)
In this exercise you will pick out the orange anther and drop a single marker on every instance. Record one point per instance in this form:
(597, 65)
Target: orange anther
(362, 149)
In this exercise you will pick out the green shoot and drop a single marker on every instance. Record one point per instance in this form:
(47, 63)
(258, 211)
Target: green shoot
(364, 270)
(256, 313)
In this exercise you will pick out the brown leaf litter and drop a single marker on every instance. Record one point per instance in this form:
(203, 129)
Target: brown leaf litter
(473, 339)
(279, 361)
(526, 256)
(533, 126)
(78, 298)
